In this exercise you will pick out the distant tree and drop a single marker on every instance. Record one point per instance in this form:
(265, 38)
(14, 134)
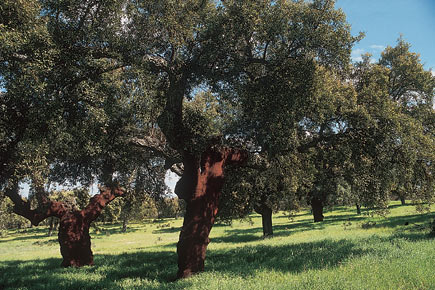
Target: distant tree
(266, 187)
(392, 138)
(146, 187)
(9, 220)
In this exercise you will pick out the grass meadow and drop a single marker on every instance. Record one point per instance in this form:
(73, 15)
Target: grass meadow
(346, 251)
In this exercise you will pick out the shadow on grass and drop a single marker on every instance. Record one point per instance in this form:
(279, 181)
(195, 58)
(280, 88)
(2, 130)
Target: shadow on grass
(161, 266)
(282, 230)
(167, 230)
(108, 232)
(284, 258)
(177, 229)
(27, 234)
(407, 220)
(155, 269)
(37, 233)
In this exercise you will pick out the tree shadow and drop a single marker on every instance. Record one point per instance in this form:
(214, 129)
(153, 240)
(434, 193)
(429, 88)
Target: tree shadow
(110, 231)
(283, 230)
(26, 234)
(294, 258)
(159, 267)
(109, 270)
(168, 230)
(410, 222)
(53, 241)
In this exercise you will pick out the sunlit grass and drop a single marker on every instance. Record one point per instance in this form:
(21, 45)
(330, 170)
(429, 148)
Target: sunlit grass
(392, 252)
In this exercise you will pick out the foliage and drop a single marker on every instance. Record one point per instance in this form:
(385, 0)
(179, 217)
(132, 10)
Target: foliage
(388, 133)
(170, 207)
(9, 220)
(70, 104)
(81, 78)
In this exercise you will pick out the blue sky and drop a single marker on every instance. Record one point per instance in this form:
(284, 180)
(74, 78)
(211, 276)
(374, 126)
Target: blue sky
(384, 20)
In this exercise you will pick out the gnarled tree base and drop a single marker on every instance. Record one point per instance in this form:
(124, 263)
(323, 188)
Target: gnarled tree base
(75, 241)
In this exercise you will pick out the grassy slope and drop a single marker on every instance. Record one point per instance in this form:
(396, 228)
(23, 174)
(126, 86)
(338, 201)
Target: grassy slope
(335, 254)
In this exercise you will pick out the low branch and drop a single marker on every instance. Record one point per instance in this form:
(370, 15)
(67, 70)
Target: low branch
(157, 63)
(177, 168)
(159, 148)
(35, 216)
(99, 201)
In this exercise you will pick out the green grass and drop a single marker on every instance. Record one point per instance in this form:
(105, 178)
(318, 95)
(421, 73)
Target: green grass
(335, 254)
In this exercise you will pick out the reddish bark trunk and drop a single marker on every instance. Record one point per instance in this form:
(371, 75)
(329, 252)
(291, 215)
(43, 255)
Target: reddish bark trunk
(74, 239)
(201, 186)
(317, 207)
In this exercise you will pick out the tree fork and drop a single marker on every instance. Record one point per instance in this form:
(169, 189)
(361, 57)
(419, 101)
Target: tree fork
(74, 238)
(201, 186)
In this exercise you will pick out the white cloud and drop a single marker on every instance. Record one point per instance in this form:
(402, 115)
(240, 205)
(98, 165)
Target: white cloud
(377, 47)
(433, 72)
(356, 54)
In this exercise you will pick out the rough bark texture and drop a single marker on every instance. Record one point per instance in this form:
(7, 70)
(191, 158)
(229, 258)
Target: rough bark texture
(201, 186)
(266, 219)
(74, 239)
(317, 207)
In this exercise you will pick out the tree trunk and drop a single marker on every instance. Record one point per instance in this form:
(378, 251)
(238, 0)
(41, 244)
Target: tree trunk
(266, 220)
(124, 225)
(358, 209)
(317, 207)
(200, 186)
(74, 240)
(51, 226)
(402, 200)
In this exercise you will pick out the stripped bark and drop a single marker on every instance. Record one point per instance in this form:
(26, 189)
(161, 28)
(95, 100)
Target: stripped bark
(201, 186)
(74, 238)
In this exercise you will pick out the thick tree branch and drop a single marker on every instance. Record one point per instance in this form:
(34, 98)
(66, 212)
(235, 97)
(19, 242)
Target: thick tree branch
(35, 216)
(177, 168)
(157, 63)
(99, 201)
(159, 148)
